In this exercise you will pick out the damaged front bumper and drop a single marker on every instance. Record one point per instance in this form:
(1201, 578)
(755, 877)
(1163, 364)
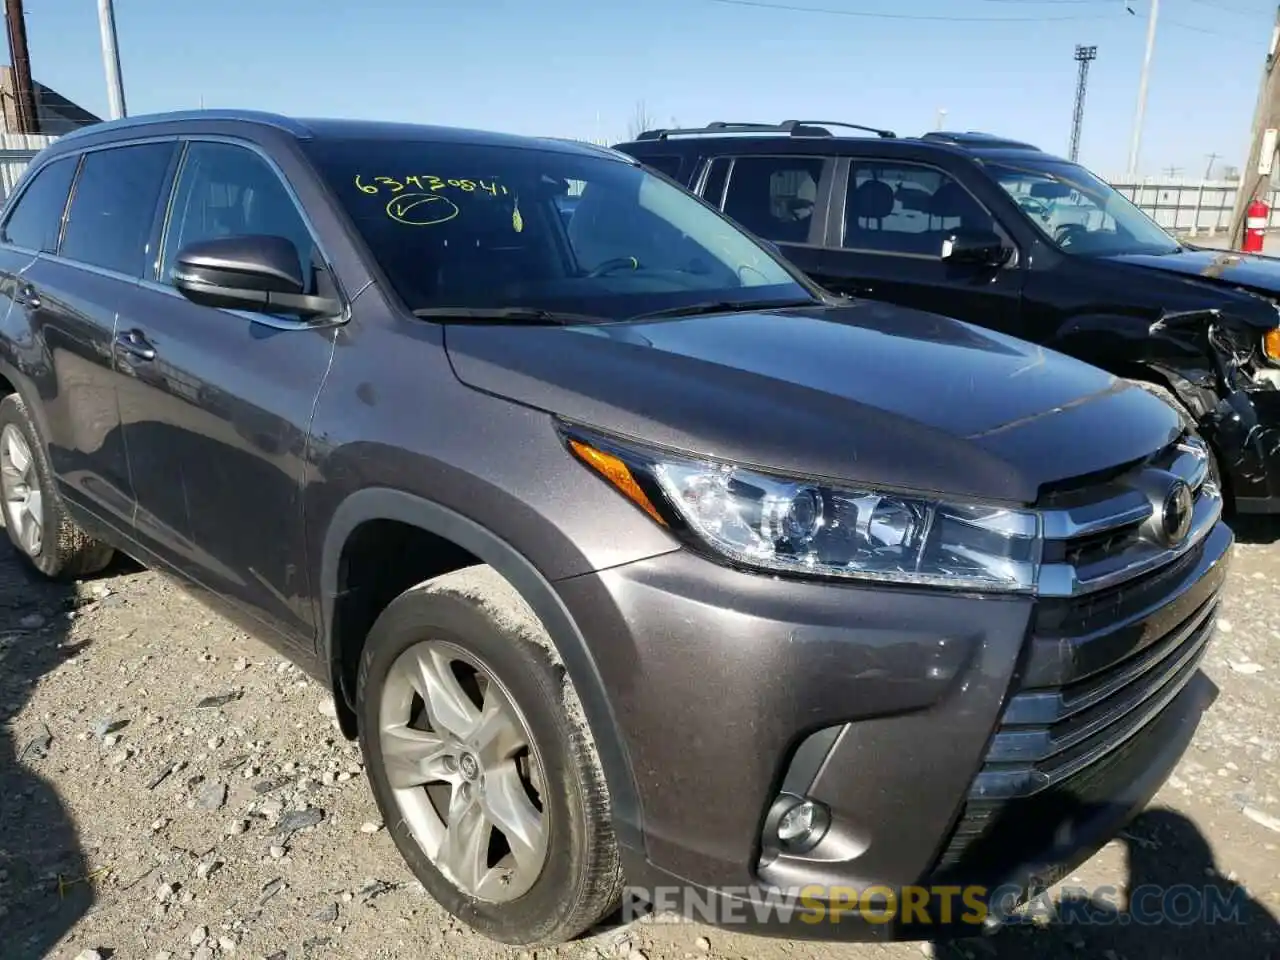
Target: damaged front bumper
(1235, 399)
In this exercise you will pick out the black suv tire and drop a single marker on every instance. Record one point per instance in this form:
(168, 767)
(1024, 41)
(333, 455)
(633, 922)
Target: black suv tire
(476, 612)
(65, 552)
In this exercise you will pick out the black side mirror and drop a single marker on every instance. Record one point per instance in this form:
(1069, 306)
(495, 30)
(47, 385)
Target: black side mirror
(251, 272)
(980, 248)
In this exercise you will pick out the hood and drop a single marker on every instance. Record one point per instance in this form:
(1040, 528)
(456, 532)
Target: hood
(869, 393)
(1221, 268)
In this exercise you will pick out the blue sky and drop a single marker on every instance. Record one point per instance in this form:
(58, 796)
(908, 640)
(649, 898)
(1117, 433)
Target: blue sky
(578, 68)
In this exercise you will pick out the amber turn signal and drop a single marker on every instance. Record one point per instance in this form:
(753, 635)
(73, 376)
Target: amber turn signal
(618, 474)
(1271, 344)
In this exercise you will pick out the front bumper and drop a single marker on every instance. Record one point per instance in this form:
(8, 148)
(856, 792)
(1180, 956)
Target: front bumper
(894, 708)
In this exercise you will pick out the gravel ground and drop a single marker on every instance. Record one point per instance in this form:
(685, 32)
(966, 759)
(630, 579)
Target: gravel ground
(170, 788)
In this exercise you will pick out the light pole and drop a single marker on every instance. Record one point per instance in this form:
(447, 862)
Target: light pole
(1142, 89)
(111, 59)
(1084, 56)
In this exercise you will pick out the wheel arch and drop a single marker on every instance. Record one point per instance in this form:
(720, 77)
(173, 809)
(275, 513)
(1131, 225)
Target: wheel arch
(384, 503)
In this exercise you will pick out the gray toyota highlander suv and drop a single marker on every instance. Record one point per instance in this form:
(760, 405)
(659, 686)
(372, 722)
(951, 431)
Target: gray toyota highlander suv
(627, 551)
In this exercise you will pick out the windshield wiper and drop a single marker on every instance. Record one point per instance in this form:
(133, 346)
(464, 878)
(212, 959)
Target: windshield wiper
(507, 315)
(724, 306)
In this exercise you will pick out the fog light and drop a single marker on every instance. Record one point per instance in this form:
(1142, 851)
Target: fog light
(801, 825)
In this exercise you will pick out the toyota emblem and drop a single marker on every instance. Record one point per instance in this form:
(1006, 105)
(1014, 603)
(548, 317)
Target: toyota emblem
(1176, 514)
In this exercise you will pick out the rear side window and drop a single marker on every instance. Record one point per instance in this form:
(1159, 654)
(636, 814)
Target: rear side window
(37, 215)
(113, 206)
(774, 197)
(717, 177)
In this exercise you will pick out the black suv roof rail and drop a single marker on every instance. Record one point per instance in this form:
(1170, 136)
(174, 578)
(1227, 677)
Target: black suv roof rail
(975, 138)
(793, 128)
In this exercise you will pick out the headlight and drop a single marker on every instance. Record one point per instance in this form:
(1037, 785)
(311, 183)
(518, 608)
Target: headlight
(800, 526)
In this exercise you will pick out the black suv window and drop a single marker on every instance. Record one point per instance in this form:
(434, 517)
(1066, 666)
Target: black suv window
(37, 216)
(226, 190)
(1078, 211)
(715, 180)
(113, 206)
(774, 197)
(906, 209)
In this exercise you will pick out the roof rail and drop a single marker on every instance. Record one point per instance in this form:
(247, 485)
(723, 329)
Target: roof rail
(975, 138)
(793, 128)
(878, 131)
(287, 124)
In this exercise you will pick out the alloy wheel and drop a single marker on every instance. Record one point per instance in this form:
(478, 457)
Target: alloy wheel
(464, 771)
(20, 487)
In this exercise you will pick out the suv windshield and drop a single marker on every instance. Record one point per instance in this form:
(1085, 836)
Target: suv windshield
(488, 227)
(1079, 212)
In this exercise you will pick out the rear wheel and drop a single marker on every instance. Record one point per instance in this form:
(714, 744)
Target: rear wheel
(482, 765)
(34, 516)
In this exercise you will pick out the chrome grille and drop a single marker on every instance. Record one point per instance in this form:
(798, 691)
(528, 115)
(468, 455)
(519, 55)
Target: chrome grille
(1120, 522)
(1120, 626)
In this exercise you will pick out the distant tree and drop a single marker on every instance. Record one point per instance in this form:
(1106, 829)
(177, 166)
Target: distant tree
(641, 121)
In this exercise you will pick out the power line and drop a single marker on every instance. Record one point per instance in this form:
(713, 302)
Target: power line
(1227, 8)
(1205, 30)
(765, 5)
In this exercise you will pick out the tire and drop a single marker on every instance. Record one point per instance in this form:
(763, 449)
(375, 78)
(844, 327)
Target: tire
(1188, 423)
(475, 614)
(64, 551)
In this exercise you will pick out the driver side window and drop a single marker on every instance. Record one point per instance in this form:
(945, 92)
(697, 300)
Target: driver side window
(225, 190)
(907, 209)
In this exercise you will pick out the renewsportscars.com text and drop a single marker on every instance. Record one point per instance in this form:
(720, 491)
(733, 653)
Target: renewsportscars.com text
(1150, 905)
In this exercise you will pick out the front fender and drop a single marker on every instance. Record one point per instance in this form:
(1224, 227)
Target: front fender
(382, 503)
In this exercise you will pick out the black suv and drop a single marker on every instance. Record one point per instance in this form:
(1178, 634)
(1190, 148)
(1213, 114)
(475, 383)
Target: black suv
(999, 233)
(625, 550)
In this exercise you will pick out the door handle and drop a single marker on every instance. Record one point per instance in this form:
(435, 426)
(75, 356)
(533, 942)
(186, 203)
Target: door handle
(135, 344)
(27, 297)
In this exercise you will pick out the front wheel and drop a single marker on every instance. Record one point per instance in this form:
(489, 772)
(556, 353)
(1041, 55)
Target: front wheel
(482, 764)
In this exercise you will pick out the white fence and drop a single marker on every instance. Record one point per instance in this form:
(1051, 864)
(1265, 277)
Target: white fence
(1195, 207)
(16, 151)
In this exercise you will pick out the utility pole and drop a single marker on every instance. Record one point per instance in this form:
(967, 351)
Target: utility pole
(1142, 89)
(23, 89)
(1262, 140)
(941, 118)
(1084, 56)
(111, 59)
(1172, 172)
(1208, 171)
